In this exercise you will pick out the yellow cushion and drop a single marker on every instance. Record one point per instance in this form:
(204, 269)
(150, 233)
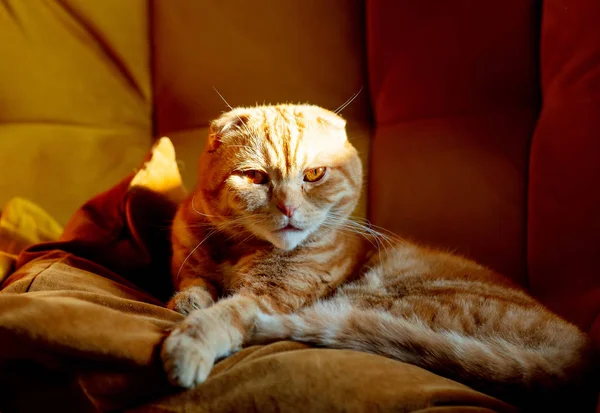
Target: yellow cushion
(75, 96)
(23, 223)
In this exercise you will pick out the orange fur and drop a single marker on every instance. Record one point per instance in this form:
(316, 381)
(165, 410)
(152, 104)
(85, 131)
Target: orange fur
(332, 281)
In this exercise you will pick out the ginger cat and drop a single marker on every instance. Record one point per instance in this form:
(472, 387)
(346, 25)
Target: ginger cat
(264, 250)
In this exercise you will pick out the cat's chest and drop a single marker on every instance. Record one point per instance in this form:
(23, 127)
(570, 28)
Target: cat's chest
(303, 274)
(234, 261)
(288, 278)
(227, 253)
(227, 271)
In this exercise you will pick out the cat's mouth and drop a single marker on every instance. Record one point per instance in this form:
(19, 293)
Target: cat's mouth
(287, 237)
(288, 228)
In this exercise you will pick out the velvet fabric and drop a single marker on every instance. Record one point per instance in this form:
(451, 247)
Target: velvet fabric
(455, 99)
(75, 99)
(564, 199)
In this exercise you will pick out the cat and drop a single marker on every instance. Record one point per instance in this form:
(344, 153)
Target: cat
(264, 249)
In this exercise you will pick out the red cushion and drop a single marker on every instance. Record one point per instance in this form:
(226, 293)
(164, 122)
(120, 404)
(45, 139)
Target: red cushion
(564, 190)
(125, 230)
(455, 100)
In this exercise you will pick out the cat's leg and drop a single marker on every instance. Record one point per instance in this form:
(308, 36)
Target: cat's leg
(191, 273)
(191, 349)
(195, 295)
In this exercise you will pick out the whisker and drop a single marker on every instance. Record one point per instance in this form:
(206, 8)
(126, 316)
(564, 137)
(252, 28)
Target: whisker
(194, 208)
(246, 230)
(351, 230)
(194, 250)
(243, 127)
(376, 234)
(223, 99)
(247, 238)
(380, 230)
(379, 240)
(348, 102)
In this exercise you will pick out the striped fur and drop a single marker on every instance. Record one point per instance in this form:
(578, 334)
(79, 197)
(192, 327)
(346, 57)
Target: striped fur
(333, 282)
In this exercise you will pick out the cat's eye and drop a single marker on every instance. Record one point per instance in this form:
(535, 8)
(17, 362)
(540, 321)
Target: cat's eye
(314, 175)
(256, 177)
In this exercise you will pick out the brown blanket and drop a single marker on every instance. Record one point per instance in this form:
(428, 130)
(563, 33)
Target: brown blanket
(82, 320)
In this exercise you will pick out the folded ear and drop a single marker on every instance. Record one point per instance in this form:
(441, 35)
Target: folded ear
(225, 125)
(328, 118)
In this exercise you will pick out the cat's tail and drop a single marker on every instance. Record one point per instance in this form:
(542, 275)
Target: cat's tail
(507, 367)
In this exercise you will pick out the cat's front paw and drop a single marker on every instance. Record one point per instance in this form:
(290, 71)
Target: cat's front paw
(186, 360)
(190, 299)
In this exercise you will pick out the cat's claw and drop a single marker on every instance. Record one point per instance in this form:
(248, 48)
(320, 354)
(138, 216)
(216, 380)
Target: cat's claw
(191, 299)
(186, 360)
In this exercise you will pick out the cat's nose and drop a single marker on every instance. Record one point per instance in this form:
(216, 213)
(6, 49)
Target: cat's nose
(287, 209)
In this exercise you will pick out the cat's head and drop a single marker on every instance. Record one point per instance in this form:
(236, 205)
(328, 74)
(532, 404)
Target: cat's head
(284, 173)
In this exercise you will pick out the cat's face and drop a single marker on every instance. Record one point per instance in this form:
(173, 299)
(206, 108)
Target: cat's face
(282, 172)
